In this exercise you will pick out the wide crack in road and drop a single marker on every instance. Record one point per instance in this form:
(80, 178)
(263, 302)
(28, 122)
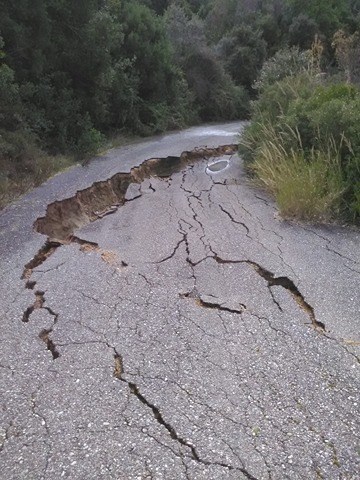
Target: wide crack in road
(187, 337)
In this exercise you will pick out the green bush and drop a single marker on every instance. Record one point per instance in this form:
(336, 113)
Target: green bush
(275, 100)
(89, 142)
(271, 109)
(304, 146)
(330, 112)
(287, 62)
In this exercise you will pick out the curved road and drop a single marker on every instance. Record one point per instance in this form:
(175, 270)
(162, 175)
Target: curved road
(173, 326)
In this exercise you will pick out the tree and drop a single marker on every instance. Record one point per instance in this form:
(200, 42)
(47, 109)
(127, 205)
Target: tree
(302, 31)
(159, 6)
(216, 96)
(10, 103)
(243, 53)
(26, 30)
(328, 14)
(220, 19)
(185, 34)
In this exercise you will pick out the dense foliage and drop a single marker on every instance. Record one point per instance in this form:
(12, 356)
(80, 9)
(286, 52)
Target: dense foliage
(304, 143)
(73, 73)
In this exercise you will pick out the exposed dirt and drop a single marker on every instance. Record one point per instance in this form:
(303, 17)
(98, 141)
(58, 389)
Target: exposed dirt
(65, 216)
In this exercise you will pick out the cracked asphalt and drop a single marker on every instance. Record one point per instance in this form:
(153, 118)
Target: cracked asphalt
(185, 331)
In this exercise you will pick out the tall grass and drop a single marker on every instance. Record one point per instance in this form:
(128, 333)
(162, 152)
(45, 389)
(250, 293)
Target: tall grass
(303, 145)
(307, 185)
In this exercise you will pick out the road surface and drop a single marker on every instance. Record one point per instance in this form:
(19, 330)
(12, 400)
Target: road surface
(160, 320)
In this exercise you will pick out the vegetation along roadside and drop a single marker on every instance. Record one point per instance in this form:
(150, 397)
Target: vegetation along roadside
(75, 74)
(303, 143)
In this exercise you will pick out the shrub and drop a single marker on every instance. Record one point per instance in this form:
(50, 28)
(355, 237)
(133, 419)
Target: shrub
(331, 111)
(285, 63)
(305, 186)
(271, 108)
(304, 146)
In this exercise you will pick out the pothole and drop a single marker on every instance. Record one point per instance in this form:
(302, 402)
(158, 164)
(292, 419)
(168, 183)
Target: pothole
(218, 166)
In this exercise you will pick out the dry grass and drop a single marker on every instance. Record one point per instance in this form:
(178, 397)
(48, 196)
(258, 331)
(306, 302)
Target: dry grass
(17, 178)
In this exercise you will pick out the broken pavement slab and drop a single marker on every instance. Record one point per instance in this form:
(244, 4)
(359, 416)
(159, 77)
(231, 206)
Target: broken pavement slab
(194, 332)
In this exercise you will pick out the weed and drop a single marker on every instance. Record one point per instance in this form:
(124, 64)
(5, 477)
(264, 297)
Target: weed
(306, 185)
(303, 145)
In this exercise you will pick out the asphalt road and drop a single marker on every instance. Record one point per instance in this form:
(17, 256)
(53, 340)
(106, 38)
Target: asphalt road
(187, 333)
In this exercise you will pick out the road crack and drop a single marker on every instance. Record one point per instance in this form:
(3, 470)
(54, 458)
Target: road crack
(44, 335)
(135, 390)
(213, 305)
(235, 221)
(173, 253)
(48, 249)
(284, 282)
(63, 217)
(94, 203)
